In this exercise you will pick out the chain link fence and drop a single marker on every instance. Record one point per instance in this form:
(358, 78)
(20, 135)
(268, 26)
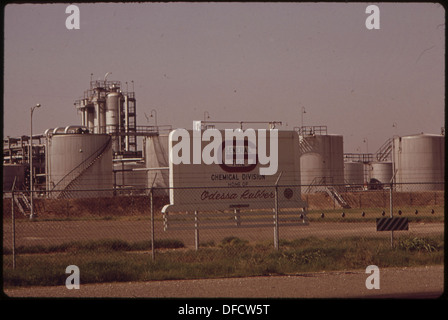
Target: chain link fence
(134, 224)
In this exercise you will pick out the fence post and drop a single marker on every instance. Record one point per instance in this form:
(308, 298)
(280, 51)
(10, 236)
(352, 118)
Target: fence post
(152, 223)
(152, 216)
(13, 222)
(392, 207)
(276, 235)
(391, 214)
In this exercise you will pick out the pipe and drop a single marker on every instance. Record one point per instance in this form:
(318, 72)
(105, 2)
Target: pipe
(68, 128)
(47, 132)
(57, 130)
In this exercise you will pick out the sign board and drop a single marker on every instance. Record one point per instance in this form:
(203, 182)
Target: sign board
(235, 184)
(392, 224)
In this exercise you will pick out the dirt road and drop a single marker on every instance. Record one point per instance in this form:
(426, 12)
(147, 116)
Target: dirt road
(418, 282)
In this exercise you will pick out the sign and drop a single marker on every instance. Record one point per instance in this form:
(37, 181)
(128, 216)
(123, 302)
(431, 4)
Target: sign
(392, 224)
(236, 181)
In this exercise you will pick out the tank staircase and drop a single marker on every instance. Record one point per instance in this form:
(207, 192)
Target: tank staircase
(315, 184)
(337, 197)
(23, 203)
(22, 200)
(384, 151)
(305, 146)
(324, 184)
(69, 181)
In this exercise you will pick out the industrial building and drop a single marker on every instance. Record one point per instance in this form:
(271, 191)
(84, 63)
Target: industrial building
(101, 157)
(98, 157)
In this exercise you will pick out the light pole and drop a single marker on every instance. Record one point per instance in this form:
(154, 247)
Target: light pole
(31, 160)
(303, 112)
(367, 144)
(155, 115)
(206, 117)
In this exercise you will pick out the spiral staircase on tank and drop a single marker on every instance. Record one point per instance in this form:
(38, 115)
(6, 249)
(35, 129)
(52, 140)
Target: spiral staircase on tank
(71, 180)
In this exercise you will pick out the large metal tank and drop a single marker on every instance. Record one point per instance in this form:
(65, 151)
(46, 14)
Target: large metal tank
(90, 117)
(99, 120)
(321, 162)
(419, 159)
(380, 172)
(156, 156)
(130, 176)
(112, 111)
(112, 116)
(354, 173)
(79, 162)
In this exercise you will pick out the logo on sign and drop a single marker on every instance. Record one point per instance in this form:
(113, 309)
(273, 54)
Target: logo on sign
(236, 154)
(239, 157)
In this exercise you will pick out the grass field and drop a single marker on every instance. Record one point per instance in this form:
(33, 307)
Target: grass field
(105, 260)
(116, 260)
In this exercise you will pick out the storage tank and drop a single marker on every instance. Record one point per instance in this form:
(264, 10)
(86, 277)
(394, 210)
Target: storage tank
(380, 172)
(322, 161)
(354, 173)
(99, 119)
(419, 159)
(156, 156)
(112, 109)
(90, 117)
(79, 162)
(129, 175)
(112, 116)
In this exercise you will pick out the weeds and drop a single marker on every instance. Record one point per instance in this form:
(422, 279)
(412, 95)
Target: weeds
(116, 260)
(419, 244)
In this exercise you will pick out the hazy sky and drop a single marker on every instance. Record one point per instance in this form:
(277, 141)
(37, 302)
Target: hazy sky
(235, 61)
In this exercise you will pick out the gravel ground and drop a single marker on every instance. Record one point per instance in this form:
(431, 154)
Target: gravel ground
(417, 282)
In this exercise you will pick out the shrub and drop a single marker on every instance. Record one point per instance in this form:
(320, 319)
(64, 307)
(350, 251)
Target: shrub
(417, 244)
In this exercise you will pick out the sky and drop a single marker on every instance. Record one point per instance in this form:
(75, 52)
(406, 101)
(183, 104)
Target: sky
(233, 62)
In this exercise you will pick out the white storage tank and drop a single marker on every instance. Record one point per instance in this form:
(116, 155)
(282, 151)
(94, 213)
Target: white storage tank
(322, 161)
(99, 120)
(354, 173)
(156, 156)
(380, 172)
(79, 162)
(419, 159)
(113, 116)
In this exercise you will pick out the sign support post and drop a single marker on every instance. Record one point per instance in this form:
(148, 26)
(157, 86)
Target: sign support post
(391, 206)
(13, 226)
(196, 230)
